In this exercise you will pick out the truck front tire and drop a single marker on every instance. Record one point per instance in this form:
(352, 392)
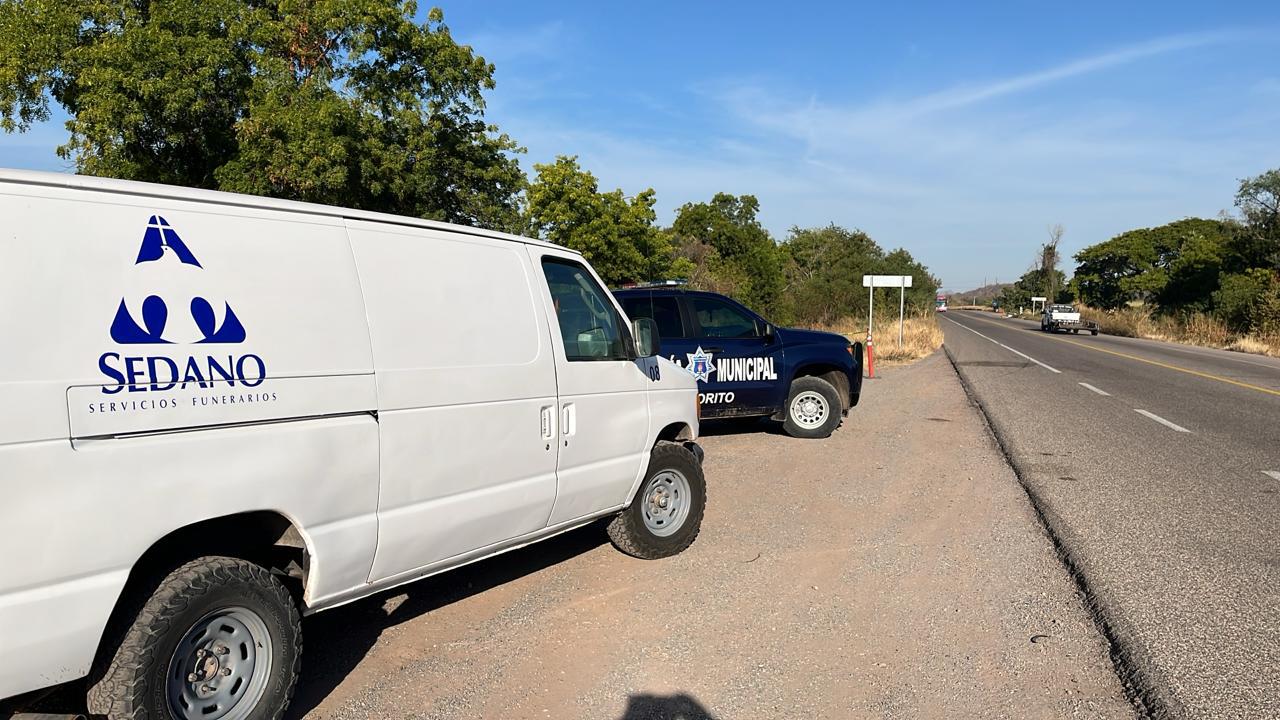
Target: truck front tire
(219, 637)
(813, 408)
(666, 514)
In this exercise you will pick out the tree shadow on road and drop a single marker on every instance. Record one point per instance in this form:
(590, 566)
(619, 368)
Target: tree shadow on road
(335, 642)
(665, 707)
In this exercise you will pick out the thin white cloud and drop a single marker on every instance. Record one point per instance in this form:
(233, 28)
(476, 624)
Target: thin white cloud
(968, 95)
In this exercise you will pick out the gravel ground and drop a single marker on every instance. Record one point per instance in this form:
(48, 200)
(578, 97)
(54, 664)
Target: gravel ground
(894, 570)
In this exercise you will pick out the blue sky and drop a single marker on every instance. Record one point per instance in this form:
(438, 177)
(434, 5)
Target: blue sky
(958, 131)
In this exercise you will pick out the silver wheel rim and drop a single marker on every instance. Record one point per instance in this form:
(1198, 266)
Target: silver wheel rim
(809, 409)
(665, 502)
(219, 670)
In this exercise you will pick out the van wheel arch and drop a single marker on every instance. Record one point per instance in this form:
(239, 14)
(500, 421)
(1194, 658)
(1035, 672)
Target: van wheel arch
(266, 538)
(676, 432)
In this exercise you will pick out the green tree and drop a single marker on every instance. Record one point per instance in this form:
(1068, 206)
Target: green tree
(743, 248)
(824, 274)
(616, 233)
(347, 102)
(1147, 265)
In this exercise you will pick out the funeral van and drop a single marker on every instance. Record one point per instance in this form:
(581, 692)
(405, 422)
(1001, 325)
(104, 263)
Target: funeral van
(223, 412)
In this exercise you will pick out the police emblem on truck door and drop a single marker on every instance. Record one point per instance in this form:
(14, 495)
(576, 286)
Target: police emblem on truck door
(700, 366)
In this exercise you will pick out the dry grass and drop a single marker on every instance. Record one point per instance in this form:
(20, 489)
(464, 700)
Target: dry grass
(921, 335)
(1198, 329)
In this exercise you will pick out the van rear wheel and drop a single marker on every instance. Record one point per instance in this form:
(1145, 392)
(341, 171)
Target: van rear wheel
(219, 639)
(665, 516)
(813, 408)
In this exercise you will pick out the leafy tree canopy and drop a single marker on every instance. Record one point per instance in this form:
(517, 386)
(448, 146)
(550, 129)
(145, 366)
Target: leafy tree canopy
(346, 102)
(616, 233)
(1149, 264)
(727, 232)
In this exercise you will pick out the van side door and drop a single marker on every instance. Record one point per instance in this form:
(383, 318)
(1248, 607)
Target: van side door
(738, 366)
(466, 392)
(603, 399)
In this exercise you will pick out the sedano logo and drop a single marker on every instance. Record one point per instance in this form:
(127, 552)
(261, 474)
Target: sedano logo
(176, 315)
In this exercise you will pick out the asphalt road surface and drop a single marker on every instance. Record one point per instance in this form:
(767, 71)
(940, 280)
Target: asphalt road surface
(1157, 469)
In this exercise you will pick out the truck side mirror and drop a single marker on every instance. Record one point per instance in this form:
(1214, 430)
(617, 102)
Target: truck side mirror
(770, 333)
(645, 331)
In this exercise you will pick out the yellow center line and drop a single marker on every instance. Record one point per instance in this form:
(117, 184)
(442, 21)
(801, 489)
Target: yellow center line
(1167, 366)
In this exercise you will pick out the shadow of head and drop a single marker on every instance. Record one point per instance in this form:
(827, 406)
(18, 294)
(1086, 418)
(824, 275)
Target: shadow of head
(665, 707)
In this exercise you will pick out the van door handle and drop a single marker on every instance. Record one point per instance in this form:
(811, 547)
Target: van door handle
(569, 423)
(548, 423)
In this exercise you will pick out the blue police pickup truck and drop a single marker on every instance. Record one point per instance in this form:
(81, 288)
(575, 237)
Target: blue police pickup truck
(746, 366)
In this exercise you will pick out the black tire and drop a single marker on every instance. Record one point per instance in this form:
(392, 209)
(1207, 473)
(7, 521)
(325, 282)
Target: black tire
(1093, 332)
(798, 427)
(130, 680)
(632, 534)
(1075, 331)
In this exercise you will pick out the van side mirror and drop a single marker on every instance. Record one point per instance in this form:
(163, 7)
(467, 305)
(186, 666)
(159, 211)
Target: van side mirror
(645, 332)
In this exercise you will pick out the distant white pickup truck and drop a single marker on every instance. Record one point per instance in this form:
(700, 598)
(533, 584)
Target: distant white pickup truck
(1065, 317)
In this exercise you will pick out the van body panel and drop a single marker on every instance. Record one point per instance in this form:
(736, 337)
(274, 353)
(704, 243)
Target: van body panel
(116, 498)
(222, 403)
(465, 377)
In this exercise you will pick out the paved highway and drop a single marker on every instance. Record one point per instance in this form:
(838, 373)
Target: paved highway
(1156, 468)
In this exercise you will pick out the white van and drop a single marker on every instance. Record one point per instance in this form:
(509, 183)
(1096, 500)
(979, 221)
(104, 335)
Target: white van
(222, 412)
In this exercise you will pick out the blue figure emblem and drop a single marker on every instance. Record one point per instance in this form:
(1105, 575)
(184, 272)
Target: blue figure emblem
(158, 236)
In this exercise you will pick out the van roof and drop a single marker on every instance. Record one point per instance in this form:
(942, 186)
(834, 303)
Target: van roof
(217, 197)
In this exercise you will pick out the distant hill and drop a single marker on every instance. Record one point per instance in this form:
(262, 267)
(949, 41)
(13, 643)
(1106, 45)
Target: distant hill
(978, 296)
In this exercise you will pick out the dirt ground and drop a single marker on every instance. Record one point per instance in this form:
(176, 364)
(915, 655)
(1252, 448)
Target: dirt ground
(894, 570)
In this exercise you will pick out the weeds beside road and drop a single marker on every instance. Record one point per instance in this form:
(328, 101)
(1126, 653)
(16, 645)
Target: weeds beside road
(921, 336)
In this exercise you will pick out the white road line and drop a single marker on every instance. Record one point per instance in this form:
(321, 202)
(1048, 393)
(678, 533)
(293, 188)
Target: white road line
(1006, 347)
(1162, 421)
(1100, 392)
(1273, 474)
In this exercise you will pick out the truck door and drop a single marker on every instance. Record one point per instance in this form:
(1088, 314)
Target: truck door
(602, 423)
(738, 365)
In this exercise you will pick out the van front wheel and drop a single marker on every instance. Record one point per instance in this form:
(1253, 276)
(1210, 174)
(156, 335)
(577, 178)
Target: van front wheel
(665, 516)
(219, 638)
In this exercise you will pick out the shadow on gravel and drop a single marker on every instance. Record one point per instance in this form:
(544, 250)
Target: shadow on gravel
(665, 707)
(335, 642)
(739, 426)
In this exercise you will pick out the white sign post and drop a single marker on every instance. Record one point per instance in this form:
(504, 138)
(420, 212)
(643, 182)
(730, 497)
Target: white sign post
(1040, 300)
(902, 282)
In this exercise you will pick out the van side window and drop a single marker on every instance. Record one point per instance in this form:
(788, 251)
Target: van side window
(722, 320)
(665, 311)
(589, 324)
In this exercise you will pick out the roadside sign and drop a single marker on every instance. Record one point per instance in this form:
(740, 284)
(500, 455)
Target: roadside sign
(1039, 299)
(871, 282)
(898, 281)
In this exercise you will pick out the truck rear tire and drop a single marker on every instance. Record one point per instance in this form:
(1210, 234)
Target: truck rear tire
(813, 408)
(219, 637)
(666, 514)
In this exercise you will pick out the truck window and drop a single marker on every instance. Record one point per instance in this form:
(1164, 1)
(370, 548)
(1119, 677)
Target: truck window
(719, 319)
(665, 311)
(589, 324)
